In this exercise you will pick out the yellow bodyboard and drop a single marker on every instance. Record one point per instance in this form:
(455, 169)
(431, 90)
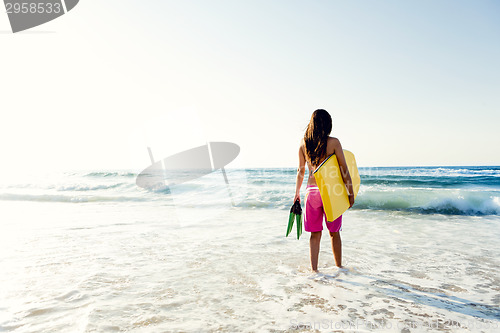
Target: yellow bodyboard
(331, 185)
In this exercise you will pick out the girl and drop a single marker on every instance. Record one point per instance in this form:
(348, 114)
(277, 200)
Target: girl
(316, 146)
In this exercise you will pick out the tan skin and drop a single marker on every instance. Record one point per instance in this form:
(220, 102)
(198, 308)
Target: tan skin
(333, 146)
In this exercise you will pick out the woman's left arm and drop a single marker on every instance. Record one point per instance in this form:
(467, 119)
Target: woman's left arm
(344, 170)
(300, 173)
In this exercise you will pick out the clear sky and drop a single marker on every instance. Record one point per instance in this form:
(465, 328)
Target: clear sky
(406, 82)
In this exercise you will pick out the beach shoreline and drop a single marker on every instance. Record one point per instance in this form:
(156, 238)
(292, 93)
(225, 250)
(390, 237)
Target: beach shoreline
(120, 258)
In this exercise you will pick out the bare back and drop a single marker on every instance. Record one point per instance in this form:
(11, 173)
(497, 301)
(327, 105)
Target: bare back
(330, 149)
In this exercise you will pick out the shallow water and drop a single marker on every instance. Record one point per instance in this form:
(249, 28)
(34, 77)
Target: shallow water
(146, 262)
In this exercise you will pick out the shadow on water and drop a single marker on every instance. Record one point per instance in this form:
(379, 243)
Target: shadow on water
(416, 294)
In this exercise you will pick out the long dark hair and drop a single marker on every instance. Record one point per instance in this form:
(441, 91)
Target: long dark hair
(316, 136)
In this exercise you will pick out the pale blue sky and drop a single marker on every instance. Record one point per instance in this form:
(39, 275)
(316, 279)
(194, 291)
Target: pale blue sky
(406, 82)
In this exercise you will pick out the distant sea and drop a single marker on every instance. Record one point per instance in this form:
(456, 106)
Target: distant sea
(90, 251)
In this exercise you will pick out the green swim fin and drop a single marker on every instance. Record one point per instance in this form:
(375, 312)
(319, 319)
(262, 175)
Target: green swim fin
(290, 224)
(299, 225)
(295, 214)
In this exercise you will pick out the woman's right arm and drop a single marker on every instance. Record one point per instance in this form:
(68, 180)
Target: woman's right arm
(301, 170)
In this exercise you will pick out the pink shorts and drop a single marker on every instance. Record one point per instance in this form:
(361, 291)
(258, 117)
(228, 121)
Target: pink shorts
(314, 213)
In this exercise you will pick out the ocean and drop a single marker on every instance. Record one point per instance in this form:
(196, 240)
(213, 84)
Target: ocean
(90, 251)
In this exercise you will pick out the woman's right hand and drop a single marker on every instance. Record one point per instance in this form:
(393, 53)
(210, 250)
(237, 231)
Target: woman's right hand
(297, 197)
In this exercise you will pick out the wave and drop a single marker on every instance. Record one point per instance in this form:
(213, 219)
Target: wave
(476, 203)
(111, 174)
(410, 199)
(68, 198)
(470, 203)
(82, 188)
(465, 172)
(435, 182)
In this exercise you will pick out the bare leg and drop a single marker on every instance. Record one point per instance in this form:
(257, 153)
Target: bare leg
(314, 242)
(337, 247)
